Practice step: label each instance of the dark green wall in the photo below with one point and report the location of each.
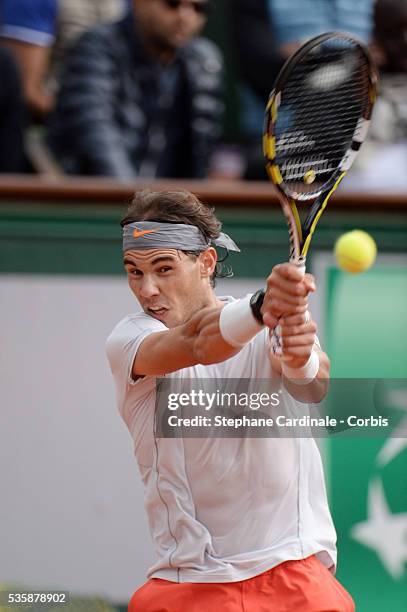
(55, 238)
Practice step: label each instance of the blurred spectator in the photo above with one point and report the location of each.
(296, 21)
(266, 33)
(391, 51)
(382, 163)
(12, 115)
(141, 97)
(38, 33)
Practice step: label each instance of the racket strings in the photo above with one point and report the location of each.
(322, 102)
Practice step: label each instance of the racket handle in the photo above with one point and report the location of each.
(276, 341)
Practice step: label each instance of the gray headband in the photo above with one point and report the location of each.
(154, 235)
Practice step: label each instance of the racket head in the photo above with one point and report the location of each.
(318, 115)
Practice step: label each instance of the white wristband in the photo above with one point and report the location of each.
(304, 375)
(237, 323)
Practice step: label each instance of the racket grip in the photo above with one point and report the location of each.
(276, 340)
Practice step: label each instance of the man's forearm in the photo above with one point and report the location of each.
(197, 341)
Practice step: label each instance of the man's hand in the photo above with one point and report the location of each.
(299, 341)
(286, 294)
(298, 338)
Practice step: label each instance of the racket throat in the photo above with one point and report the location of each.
(299, 261)
(317, 208)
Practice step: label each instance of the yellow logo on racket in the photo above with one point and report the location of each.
(309, 177)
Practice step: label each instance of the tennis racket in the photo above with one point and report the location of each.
(317, 118)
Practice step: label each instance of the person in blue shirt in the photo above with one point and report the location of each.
(37, 32)
(28, 29)
(293, 22)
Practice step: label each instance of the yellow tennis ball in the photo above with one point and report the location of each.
(355, 251)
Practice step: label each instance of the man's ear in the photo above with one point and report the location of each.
(208, 261)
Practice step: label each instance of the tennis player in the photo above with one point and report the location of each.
(238, 524)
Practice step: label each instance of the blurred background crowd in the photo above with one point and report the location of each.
(176, 88)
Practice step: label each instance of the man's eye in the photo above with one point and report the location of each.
(165, 269)
(135, 272)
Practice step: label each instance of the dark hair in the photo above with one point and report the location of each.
(177, 206)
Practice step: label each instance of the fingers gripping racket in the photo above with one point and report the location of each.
(317, 118)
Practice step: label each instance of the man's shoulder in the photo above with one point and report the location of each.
(108, 35)
(128, 334)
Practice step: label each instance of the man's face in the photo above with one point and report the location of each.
(170, 24)
(170, 285)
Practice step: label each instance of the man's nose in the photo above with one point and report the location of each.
(148, 287)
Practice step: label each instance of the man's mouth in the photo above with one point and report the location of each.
(157, 311)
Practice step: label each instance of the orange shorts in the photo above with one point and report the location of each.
(294, 586)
